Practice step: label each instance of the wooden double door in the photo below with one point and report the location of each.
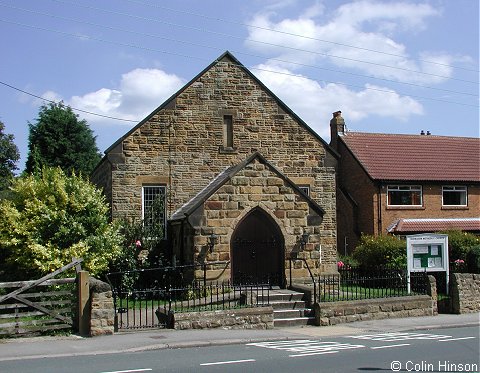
(257, 249)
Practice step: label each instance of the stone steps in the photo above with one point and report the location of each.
(288, 308)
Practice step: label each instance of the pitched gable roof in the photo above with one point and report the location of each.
(415, 157)
(228, 56)
(225, 176)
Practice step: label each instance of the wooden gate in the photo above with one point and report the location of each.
(38, 306)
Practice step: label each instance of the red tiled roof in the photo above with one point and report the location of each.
(434, 225)
(416, 157)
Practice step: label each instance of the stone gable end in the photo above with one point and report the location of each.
(258, 187)
(181, 147)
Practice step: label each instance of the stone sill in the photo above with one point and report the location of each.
(405, 208)
(455, 208)
(227, 150)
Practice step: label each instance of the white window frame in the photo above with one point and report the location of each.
(455, 188)
(404, 188)
(160, 187)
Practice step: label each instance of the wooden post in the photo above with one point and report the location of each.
(83, 310)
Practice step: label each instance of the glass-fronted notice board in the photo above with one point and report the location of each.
(427, 253)
(427, 256)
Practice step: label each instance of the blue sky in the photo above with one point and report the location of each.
(389, 66)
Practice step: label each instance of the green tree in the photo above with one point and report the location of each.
(59, 139)
(51, 217)
(9, 156)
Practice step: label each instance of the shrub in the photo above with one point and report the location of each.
(460, 243)
(381, 251)
(50, 218)
(473, 260)
(345, 262)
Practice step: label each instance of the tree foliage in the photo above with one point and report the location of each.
(9, 156)
(51, 217)
(59, 139)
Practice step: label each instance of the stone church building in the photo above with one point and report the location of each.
(246, 184)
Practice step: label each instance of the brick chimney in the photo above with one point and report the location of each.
(337, 128)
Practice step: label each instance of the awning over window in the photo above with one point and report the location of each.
(434, 225)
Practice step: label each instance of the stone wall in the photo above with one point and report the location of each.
(245, 318)
(432, 291)
(102, 311)
(372, 309)
(465, 292)
(258, 187)
(181, 146)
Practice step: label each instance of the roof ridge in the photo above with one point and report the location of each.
(408, 134)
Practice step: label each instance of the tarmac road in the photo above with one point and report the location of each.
(26, 354)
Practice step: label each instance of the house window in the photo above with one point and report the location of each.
(305, 189)
(404, 195)
(228, 131)
(153, 207)
(454, 196)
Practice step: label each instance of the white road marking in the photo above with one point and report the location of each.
(314, 353)
(306, 347)
(130, 370)
(394, 337)
(229, 362)
(390, 346)
(456, 339)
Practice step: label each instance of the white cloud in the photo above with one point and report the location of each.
(400, 15)
(370, 25)
(47, 96)
(140, 91)
(314, 102)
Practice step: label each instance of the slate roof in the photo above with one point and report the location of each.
(225, 176)
(434, 225)
(393, 157)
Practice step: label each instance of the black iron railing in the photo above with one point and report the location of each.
(312, 277)
(368, 283)
(219, 295)
(147, 298)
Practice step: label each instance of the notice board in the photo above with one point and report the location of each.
(427, 253)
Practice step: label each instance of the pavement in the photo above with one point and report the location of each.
(42, 347)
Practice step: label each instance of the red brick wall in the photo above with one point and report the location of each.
(432, 204)
(353, 179)
(369, 219)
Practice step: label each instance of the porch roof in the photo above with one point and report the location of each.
(434, 225)
(226, 175)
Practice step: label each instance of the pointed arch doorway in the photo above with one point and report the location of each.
(257, 248)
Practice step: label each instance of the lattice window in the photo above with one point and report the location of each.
(153, 206)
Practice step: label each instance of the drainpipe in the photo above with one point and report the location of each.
(379, 210)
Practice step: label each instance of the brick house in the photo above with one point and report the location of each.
(404, 184)
(243, 179)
